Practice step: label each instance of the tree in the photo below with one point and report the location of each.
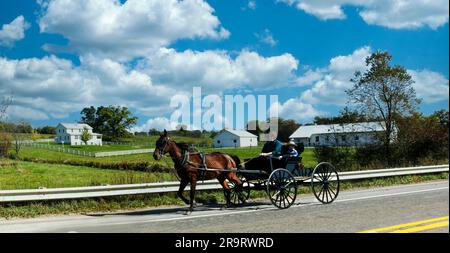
(18, 135)
(110, 121)
(346, 115)
(85, 135)
(383, 92)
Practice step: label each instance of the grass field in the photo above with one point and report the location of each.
(28, 152)
(103, 148)
(28, 175)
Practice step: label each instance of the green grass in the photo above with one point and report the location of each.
(103, 148)
(134, 202)
(28, 175)
(248, 152)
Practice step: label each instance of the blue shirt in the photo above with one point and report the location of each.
(292, 152)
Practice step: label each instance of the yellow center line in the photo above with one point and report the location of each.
(410, 224)
(421, 228)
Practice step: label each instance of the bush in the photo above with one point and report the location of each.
(5, 144)
(341, 157)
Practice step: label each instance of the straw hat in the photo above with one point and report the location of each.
(292, 143)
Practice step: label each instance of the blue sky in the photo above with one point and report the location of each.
(302, 51)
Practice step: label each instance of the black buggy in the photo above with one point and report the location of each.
(280, 176)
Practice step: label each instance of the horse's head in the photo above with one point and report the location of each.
(162, 146)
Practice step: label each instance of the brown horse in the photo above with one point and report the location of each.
(189, 167)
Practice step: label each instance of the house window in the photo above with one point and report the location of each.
(317, 139)
(327, 138)
(344, 138)
(218, 141)
(356, 138)
(234, 141)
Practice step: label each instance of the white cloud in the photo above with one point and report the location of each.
(217, 71)
(430, 86)
(13, 32)
(295, 108)
(395, 14)
(108, 28)
(335, 79)
(57, 88)
(267, 37)
(20, 112)
(159, 123)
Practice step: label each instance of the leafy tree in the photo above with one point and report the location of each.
(46, 130)
(85, 135)
(346, 115)
(383, 92)
(110, 121)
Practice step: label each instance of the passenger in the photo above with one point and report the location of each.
(292, 152)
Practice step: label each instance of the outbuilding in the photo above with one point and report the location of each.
(235, 138)
(352, 134)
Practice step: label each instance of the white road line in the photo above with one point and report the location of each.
(267, 209)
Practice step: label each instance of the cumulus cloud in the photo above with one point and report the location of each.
(430, 86)
(159, 123)
(332, 81)
(217, 71)
(295, 108)
(109, 28)
(15, 31)
(405, 14)
(57, 88)
(335, 78)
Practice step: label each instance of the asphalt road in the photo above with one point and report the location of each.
(353, 211)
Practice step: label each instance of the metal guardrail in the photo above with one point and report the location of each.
(166, 187)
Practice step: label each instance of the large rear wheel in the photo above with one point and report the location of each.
(325, 183)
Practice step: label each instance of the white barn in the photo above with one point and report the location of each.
(352, 134)
(70, 134)
(235, 138)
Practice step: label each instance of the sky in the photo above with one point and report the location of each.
(59, 56)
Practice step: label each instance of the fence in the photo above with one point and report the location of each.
(60, 149)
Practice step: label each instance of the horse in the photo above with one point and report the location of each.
(187, 165)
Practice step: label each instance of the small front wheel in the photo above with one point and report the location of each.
(282, 188)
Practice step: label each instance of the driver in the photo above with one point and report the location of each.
(273, 147)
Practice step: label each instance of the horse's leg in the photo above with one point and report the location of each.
(192, 194)
(183, 184)
(226, 189)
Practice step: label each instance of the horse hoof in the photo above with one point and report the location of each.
(188, 212)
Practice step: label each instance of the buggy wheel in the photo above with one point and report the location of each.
(239, 194)
(282, 188)
(325, 182)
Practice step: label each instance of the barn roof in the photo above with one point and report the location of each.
(240, 133)
(308, 131)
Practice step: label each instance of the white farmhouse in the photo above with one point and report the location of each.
(70, 134)
(352, 134)
(235, 138)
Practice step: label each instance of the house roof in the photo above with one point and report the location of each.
(240, 133)
(308, 131)
(75, 126)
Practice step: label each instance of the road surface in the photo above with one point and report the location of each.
(406, 208)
